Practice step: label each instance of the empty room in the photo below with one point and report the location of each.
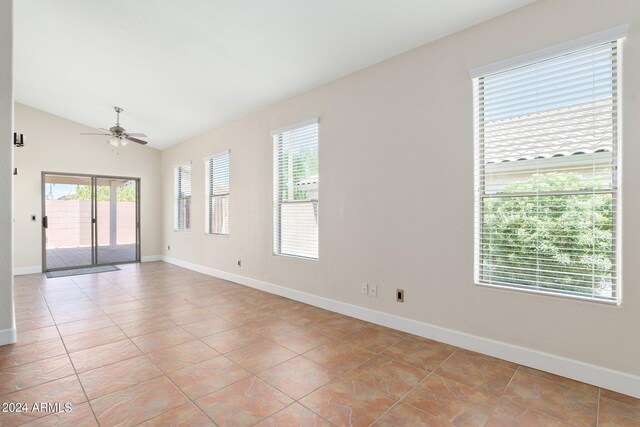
(320, 213)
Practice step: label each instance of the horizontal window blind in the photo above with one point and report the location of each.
(546, 153)
(217, 194)
(182, 187)
(296, 183)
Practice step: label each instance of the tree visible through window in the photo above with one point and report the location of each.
(126, 193)
(296, 182)
(546, 175)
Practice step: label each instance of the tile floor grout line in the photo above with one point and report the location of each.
(285, 393)
(396, 361)
(396, 403)
(78, 320)
(554, 381)
(43, 383)
(433, 372)
(236, 325)
(222, 388)
(379, 354)
(335, 376)
(598, 407)
(293, 403)
(254, 375)
(170, 380)
(97, 345)
(510, 381)
(108, 364)
(73, 366)
(400, 400)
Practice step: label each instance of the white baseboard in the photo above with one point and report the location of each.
(20, 271)
(7, 336)
(151, 258)
(599, 376)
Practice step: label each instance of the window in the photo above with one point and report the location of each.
(295, 154)
(182, 185)
(546, 176)
(217, 194)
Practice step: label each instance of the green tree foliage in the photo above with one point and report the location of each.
(304, 164)
(565, 239)
(126, 193)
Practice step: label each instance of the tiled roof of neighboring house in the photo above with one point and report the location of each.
(565, 131)
(310, 181)
(577, 153)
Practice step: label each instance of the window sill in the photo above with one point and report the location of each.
(301, 258)
(549, 294)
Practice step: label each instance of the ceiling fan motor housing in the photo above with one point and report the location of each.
(117, 130)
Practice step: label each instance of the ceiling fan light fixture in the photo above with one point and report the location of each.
(118, 136)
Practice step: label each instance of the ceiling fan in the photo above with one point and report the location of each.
(118, 134)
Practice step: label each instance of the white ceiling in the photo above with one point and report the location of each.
(182, 67)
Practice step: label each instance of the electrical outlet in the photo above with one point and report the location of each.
(364, 289)
(239, 263)
(400, 295)
(373, 290)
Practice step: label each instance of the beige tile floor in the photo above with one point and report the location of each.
(158, 345)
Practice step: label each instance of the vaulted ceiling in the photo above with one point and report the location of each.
(180, 68)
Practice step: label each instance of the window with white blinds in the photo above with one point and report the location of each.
(182, 185)
(217, 194)
(295, 154)
(546, 153)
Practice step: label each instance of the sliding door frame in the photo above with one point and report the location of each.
(94, 219)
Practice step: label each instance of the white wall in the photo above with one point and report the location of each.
(396, 193)
(54, 144)
(7, 326)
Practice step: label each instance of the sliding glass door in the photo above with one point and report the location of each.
(89, 220)
(117, 219)
(67, 222)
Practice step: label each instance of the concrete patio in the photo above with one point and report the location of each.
(81, 255)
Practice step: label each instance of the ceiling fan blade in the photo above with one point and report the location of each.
(141, 135)
(86, 133)
(106, 130)
(139, 141)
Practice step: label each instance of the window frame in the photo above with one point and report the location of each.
(208, 196)
(617, 35)
(176, 198)
(277, 203)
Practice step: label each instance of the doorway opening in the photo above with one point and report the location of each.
(89, 220)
